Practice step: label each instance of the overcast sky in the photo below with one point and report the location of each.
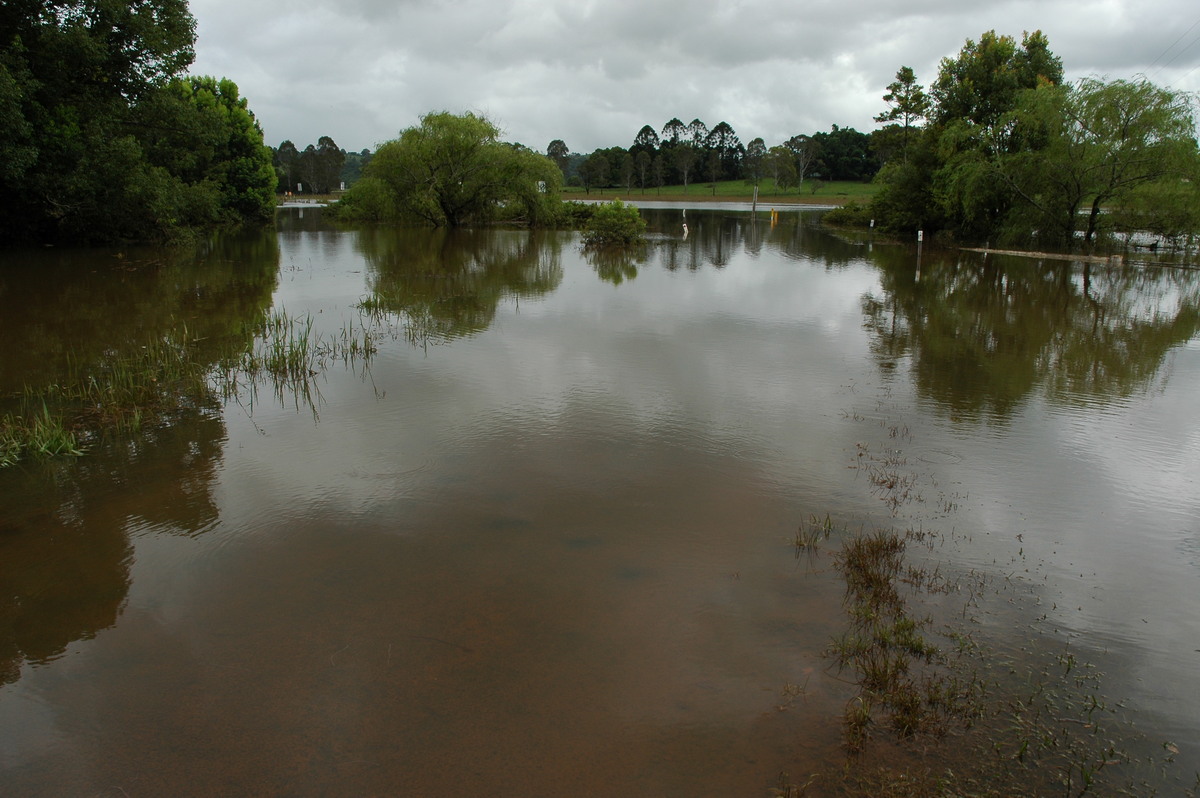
(593, 72)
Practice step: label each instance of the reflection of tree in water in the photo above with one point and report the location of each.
(84, 306)
(65, 524)
(715, 237)
(447, 284)
(615, 264)
(310, 220)
(983, 333)
(64, 530)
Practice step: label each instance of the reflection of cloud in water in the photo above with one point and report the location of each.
(572, 524)
(719, 351)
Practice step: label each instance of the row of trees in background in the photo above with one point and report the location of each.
(692, 153)
(1001, 149)
(320, 169)
(105, 139)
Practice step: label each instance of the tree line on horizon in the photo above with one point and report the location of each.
(999, 148)
(322, 168)
(687, 154)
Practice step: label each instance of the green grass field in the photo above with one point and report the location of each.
(813, 192)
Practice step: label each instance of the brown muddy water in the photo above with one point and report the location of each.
(541, 542)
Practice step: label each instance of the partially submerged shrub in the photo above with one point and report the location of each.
(849, 215)
(575, 215)
(614, 223)
(368, 200)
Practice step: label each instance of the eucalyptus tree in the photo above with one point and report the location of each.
(725, 142)
(712, 164)
(643, 163)
(646, 140)
(780, 163)
(658, 169)
(673, 132)
(754, 163)
(627, 171)
(321, 166)
(595, 171)
(287, 164)
(558, 152)
(686, 156)
(804, 150)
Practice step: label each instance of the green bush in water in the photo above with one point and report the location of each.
(614, 223)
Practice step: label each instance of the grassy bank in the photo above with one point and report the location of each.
(812, 193)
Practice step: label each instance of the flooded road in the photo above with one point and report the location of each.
(541, 541)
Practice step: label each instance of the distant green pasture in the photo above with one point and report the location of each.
(833, 193)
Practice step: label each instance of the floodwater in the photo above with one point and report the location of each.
(541, 543)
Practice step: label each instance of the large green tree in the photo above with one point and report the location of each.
(1098, 145)
(1011, 153)
(982, 82)
(203, 134)
(558, 152)
(99, 133)
(844, 154)
(453, 170)
(945, 177)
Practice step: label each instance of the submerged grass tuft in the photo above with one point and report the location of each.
(983, 724)
(884, 642)
(809, 535)
(150, 381)
(40, 434)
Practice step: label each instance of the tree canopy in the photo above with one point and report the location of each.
(453, 170)
(1009, 152)
(105, 140)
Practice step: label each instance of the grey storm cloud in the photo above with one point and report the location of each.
(593, 72)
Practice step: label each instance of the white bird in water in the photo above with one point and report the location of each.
(685, 230)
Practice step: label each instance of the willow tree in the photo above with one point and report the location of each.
(452, 170)
(1097, 146)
